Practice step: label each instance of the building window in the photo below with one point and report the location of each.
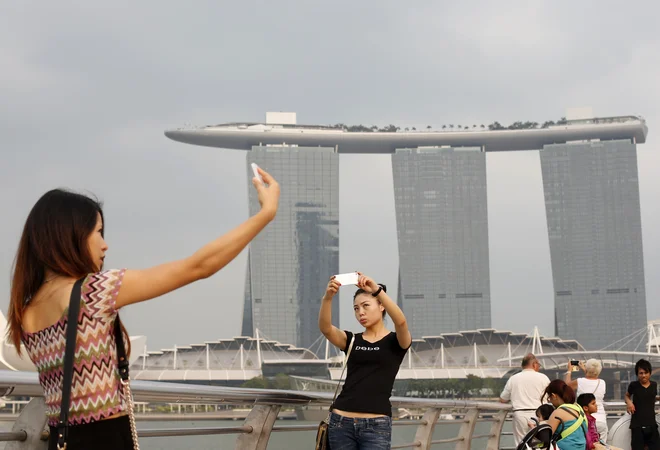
(618, 291)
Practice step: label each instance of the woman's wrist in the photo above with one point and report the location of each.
(267, 213)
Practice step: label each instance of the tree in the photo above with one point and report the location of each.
(444, 127)
(428, 127)
(473, 384)
(390, 129)
(494, 385)
(256, 383)
(281, 382)
(354, 128)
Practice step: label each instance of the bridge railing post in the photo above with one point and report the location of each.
(32, 421)
(467, 429)
(424, 433)
(496, 430)
(261, 419)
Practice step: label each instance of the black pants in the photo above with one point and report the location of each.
(642, 436)
(109, 434)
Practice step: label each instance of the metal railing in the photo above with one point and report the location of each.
(29, 430)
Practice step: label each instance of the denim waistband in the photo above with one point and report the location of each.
(360, 420)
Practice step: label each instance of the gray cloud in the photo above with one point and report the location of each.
(87, 91)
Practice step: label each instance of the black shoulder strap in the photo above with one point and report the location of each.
(584, 423)
(570, 411)
(122, 360)
(348, 355)
(69, 354)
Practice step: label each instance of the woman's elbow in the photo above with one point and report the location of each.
(401, 323)
(200, 270)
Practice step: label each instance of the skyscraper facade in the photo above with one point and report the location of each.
(595, 233)
(291, 261)
(442, 226)
(589, 170)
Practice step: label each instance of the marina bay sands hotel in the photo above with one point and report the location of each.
(590, 181)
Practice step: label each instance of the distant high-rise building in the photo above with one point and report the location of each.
(589, 167)
(595, 232)
(442, 226)
(291, 261)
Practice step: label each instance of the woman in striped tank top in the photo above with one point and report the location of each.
(63, 241)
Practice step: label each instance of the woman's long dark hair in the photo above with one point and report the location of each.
(54, 237)
(560, 389)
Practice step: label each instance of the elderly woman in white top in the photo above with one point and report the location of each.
(591, 384)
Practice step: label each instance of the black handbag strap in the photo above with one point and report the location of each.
(69, 354)
(348, 354)
(122, 359)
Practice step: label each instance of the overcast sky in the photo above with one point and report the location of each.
(86, 91)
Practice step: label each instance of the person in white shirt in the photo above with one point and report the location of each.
(524, 391)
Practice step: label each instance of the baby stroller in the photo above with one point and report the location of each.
(540, 437)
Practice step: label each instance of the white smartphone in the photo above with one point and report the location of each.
(256, 172)
(347, 278)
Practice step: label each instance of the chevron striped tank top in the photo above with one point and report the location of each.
(96, 392)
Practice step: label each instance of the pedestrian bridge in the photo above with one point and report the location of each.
(476, 425)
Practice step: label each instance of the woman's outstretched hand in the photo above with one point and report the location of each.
(366, 284)
(268, 193)
(333, 288)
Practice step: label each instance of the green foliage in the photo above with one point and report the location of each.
(495, 126)
(281, 382)
(472, 386)
(256, 383)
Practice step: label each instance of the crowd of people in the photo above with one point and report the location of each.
(573, 409)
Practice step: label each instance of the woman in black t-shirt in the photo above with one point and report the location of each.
(361, 416)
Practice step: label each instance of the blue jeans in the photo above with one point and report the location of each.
(346, 433)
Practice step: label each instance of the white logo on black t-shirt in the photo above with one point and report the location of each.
(357, 347)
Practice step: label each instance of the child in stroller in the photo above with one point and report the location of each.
(540, 435)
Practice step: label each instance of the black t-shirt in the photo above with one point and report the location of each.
(644, 400)
(370, 375)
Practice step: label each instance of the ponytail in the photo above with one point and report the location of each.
(560, 389)
(568, 394)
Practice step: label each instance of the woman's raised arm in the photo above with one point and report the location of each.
(141, 285)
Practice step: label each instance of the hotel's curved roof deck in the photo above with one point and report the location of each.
(245, 135)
